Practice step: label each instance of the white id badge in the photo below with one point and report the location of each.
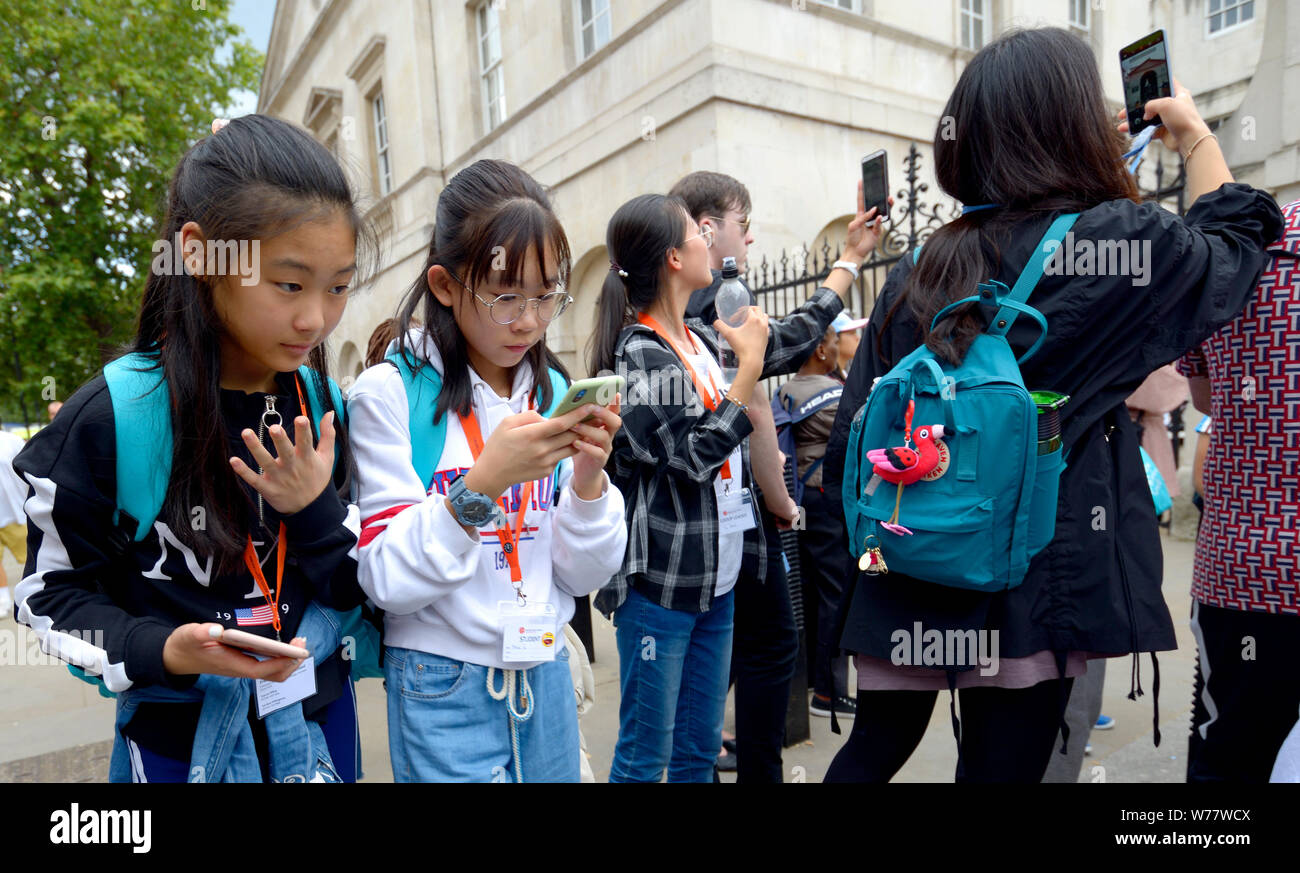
(529, 632)
(736, 511)
(300, 685)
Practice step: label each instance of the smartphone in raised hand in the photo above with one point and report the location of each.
(1144, 65)
(875, 182)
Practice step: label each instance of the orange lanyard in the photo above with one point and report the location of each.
(509, 538)
(706, 397)
(281, 544)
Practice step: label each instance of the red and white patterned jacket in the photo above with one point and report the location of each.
(1248, 551)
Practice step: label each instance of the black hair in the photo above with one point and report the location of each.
(640, 233)
(1032, 134)
(256, 178)
(489, 208)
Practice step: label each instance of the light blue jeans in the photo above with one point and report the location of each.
(444, 726)
(672, 668)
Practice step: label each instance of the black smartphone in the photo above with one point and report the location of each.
(1145, 67)
(875, 182)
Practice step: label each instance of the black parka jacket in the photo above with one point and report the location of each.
(1096, 586)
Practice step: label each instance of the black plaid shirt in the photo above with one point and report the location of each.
(671, 447)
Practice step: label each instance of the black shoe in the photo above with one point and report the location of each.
(845, 707)
(727, 762)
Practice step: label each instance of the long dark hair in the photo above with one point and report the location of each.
(638, 236)
(254, 179)
(1032, 133)
(488, 209)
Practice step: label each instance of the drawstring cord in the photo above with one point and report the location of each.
(510, 681)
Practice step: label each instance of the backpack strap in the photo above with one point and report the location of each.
(143, 431)
(142, 425)
(423, 384)
(1029, 277)
(316, 407)
(1013, 302)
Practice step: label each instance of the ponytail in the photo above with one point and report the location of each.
(640, 233)
(612, 315)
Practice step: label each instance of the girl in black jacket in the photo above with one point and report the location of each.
(1034, 141)
(255, 525)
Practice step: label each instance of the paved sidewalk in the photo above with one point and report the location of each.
(55, 728)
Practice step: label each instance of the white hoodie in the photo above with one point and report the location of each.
(438, 585)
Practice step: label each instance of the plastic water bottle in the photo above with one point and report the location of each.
(731, 303)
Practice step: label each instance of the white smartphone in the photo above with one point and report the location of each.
(257, 645)
(599, 390)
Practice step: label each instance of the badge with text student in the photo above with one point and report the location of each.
(736, 510)
(530, 631)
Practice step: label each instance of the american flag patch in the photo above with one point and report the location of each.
(255, 616)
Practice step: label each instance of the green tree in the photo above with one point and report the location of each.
(98, 100)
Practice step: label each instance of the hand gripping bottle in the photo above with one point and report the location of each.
(731, 303)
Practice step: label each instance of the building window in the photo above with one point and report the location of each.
(850, 5)
(383, 166)
(489, 57)
(1224, 14)
(1079, 14)
(974, 23)
(593, 26)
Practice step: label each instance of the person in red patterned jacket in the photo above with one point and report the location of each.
(1246, 591)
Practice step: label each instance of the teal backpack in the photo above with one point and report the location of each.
(142, 420)
(978, 524)
(423, 384)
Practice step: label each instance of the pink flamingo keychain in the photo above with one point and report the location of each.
(904, 465)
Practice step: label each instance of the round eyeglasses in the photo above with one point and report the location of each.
(507, 308)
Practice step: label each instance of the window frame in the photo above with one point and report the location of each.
(579, 27)
(491, 75)
(984, 17)
(1224, 6)
(383, 143)
(1086, 6)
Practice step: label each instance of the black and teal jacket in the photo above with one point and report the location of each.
(103, 601)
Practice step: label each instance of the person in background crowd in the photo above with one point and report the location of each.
(849, 330)
(377, 347)
(1245, 589)
(1159, 394)
(13, 521)
(812, 397)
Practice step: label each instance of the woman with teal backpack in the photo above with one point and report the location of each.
(1130, 288)
(171, 499)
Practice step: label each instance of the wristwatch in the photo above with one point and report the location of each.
(472, 508)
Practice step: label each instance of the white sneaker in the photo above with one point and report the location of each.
(6, 603)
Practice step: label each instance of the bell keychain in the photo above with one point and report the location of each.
(872, 561)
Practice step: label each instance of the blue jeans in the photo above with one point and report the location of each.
(673, 668)
(444, 726)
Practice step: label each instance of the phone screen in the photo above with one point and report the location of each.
(875, 182)
(1145, 68)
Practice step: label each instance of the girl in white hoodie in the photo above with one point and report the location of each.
(482, 520)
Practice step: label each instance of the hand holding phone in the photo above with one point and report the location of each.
(193, 648)
(600, 390)
(256, 645)
(1144, 66)
(875, 183)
